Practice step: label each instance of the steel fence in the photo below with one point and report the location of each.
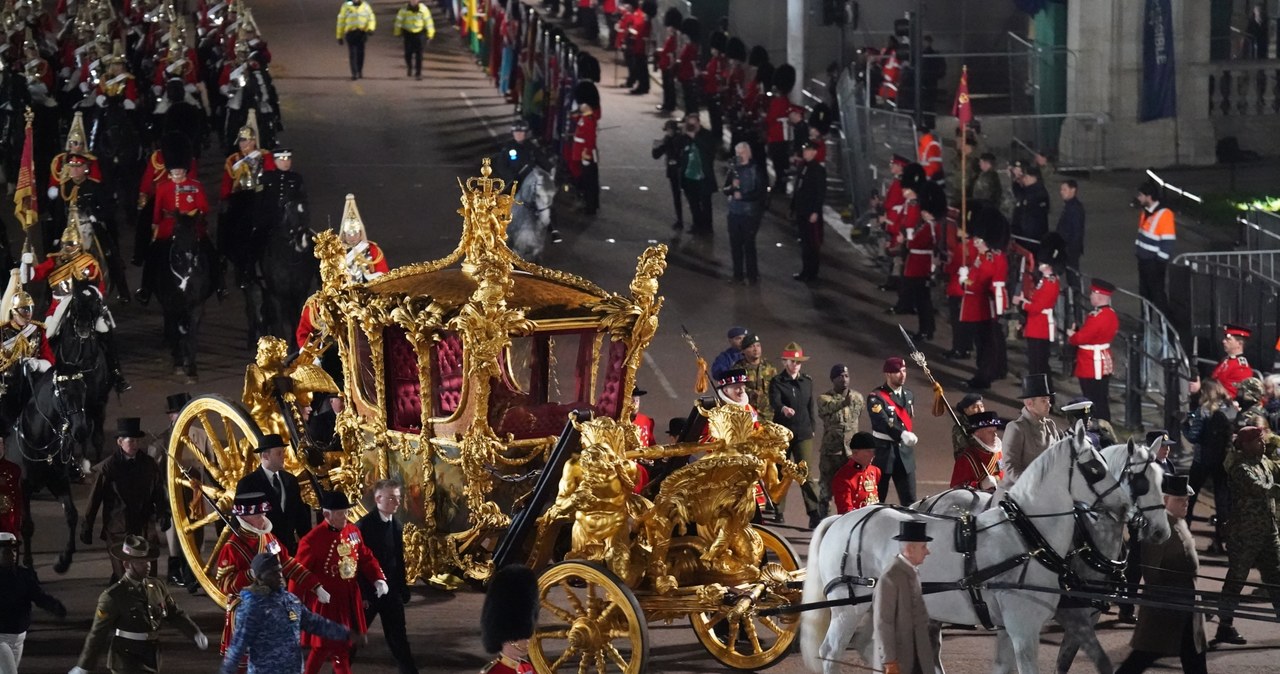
(1212, 289)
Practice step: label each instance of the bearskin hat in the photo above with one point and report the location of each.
(673, 18)
(990, 225)
(820, 118)
(736, 49)
(758, 57)
(718, 41)
(175, 150)
(692, 29)
(649, 7)
(586, 92)
(1053, 250)
(588, 68)
(784, 78)
(510, 610)
(932, 199)
(764, 74)
(912, 176)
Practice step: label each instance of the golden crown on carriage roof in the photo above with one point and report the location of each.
(486, 195)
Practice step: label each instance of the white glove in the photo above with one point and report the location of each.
(909, 439)
(52, 192)
(27, 272)
(78, 670)
(101, 101)
(963, 274)
(380, 588)
(28, 258)
(202, 642)
(322, 594)
(988, 482)
(129, 105)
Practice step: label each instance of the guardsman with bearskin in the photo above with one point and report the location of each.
(633, 36)
(891, 407)
(779, 132)
(174, 147)
(665, 58)
(857, 483)
(584, 158)
(251, 537)
(1234, 368)
(1041, 330)
(919, 246)
(1093, 343)
(335, 554)
(509, 618)
(985, 299)
(902, 217)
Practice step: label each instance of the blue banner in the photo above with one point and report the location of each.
(1159, 75)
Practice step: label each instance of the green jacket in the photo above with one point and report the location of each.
(132, 609)
(758, 389)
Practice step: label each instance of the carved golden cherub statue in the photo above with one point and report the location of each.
(263, 378)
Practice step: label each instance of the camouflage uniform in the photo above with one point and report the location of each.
(758, 387)
(1252, 538)
(839, 413)
(127, 623)
(268, 626)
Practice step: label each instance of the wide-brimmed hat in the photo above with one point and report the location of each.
(792, 351)
(1177, 485)
(269, 441)
(134, 548)
(1036, 386)
(129, 427)
(174, 403)
(913, 532)
(335, 500)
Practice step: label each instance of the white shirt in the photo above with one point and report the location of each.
(385, 517)
(271, 480)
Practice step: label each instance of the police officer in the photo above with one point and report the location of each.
(840, 408)
(806, 203)
(891, 407)
(1252, 538)
(126, 624)
(356, 22)
(414, 23)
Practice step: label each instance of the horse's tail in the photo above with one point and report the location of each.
(814, 622)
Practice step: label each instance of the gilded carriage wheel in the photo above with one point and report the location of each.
(746, 641)
(210, 449)
(590, 622)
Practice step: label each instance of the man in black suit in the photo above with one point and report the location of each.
(806, 205)
(384, 535)
(289, 515)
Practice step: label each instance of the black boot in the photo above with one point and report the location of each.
(119, 383)
(1228, 634)
(175, 576)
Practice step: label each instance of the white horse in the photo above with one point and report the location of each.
(531, 214)
(1070, 471)
(1098, 563)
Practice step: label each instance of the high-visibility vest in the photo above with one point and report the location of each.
(930, 154)
(414, 21)
(351, 17)
(1157, 231)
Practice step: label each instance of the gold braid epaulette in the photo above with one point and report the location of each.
(76, 266)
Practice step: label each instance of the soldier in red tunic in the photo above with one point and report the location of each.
(252, 537)
(1093, 341)
(985, 300)
(978, 466)
(1234, 368)
(857, 483)
(508, 618)
(1040, 330)
(335, 553)
(914, 295)
(584, 160)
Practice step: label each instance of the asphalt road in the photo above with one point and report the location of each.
(400, 146)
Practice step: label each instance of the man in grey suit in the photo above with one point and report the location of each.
(906, 643)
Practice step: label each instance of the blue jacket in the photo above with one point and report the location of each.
(751, 187)
(268, 626)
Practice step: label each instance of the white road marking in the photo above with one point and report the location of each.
(644, 188)
(662, 378)
(475, 111)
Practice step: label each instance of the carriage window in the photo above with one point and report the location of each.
(548, 375)
(446, 374)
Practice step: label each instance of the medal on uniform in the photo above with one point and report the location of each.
(273, 547)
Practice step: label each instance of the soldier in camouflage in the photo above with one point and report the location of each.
(839, 410)
(760, 370)
(1252, 539)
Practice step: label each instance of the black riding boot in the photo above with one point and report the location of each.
(176, 577)
(113, 362)
(143, 293)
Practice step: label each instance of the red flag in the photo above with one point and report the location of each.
(25, 207)
(962, 110)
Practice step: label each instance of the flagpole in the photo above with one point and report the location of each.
(964, 174)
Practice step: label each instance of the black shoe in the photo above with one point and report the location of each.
(1215, 548)
(417, 76)
(555, 237)
(1127, 615)
(143, 296)
(778, 518)
(353, 77)
(122, 296)
(814, 519)
(1228, 634)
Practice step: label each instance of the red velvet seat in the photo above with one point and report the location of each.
(446, 374)
(403, 387)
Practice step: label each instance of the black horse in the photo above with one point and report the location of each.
(286, 257)
(79, 342)
(115, 138)
(46, 434)
(185, 266)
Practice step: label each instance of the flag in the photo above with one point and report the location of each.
(24, 198)
(962, 109)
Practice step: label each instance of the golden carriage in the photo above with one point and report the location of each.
(498, 392)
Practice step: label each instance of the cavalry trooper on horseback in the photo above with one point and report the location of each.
(155, 176)
(117, 84)
(23, 350)
(62, 269)
(241, 183)
(89, 198)
(180, 195)
(76, 144)
(517, 158)
(364, 262)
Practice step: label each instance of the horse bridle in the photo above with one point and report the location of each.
(60, 432)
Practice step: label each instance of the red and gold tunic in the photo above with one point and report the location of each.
(505, 665)
(973, 465)
(855, 486)
(334, 558)
(10, 498)
(234, 560)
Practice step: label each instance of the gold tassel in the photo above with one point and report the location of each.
(704, 377)
(939, 401)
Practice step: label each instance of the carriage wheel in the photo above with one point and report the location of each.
(590, 622)
(750, 642)
(213, 439)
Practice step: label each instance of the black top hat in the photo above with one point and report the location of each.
(862, 440)
(250, 503)
(174, 403)
(1177, 485)
(335, 500)
(913, 532)
(675, 426)
(129, 427)
(1036, 385)
(269, 441)
(510, 609)
(985, 420)
(134, 548)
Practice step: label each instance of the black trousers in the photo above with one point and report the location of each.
(587, 22)
(810, 244)
(780, 157)
(961, 333)
(1098, 391)
(413, 43)
(589, 184)
(742, 245)
(1192, 662)
(689, 92)
(984, 346)
(903, 481)
(1151, 276)
(393, 629)
(676, 200)
(920, 300)
(355, 52)
(637, 72)
(668, 90)
(699, 195)
(1038, 356)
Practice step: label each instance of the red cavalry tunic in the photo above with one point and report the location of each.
(188, 198)
(228, 172)
(334, 558)
(11, 497)
(60, 161)
(1230, 372)
(1093, 358)
(855, 486)
(1039, 307)
(973, 465)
